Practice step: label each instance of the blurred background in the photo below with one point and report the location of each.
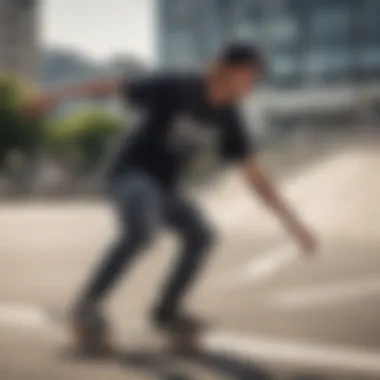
(323, 57)
(316, 116)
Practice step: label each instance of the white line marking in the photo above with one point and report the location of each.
(262, 268)
(246, 348)
(319, 211)
(326, 294)
(22, 316)
(271, 263)
(304, 355)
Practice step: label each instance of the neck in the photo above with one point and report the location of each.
(216, 90)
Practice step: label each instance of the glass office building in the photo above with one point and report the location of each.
(310, 45)
(307, 42)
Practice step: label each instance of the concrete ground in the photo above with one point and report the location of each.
(275, 314)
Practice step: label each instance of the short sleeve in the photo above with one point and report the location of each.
(238, 144)
(149, 91)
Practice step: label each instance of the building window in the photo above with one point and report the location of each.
(367, 47)
(329, 49)
(282, 30)
(370, 57)
(178, 14)
(249, 20)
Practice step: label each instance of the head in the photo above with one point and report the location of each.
(237, 69)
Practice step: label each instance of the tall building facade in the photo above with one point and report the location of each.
(18, 37)
(321, 54)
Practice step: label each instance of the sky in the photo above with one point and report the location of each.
(100, 28)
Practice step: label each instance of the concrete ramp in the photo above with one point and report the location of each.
(337, 191)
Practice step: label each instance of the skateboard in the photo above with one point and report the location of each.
(142, 337)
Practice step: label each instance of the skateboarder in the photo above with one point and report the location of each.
(184, 115)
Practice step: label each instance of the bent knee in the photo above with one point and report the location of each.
(201, 238)
(141, 239)
(137, 238)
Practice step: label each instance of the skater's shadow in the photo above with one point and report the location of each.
(177, 366)
(180, 366)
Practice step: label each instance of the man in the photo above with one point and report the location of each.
(183, 116)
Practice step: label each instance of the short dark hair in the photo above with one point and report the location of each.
(240, 54)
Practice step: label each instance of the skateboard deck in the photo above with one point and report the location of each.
(142, 337)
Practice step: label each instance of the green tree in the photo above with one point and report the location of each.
(10, 96)
(17, 132)
(81, 139)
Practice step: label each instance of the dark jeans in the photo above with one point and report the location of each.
(143, 207)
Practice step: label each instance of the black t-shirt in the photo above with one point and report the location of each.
(178, 123)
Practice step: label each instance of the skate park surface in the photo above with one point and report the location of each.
(274, 313)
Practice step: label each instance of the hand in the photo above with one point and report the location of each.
(306, 240)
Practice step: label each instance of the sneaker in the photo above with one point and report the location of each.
(178, 323)
(90, 328)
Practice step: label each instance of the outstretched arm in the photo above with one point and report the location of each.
(97, 88)
(263, 186)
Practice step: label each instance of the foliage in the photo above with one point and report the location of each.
(83, 137)
(17, 133)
